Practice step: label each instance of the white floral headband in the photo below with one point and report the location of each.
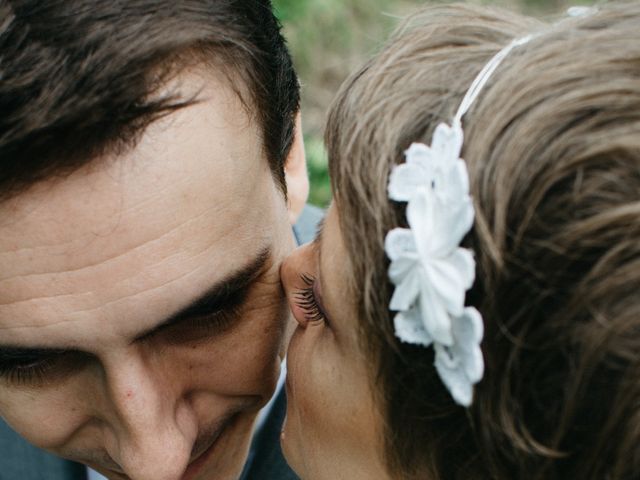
(430, 270)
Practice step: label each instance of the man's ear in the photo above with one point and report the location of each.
(295, 170)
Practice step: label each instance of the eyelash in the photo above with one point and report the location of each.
(39, 372)
(216, 322)
(203, 327)
(306, 300)
(33, 374)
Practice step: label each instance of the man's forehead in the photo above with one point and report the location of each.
(49, 330)
(162, 216)
(207, 149)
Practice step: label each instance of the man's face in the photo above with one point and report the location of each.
(141, 316)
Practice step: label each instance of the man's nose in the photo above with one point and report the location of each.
(152, 428)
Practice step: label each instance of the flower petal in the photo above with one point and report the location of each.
(447, 142)
(451, 221)
(399, 242)
(458, 180)
(409, 328)
(469, 327)
(473, 364)
(405, 179)
(454, 379)
(418, 153)
(420, 216)
(449, 283)
(402, 267)
(464, 263)
(435, 318)
(468, 331)
(406, 292)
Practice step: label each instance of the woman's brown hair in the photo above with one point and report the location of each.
(553, 151)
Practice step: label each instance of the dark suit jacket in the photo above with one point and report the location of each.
(21, 461)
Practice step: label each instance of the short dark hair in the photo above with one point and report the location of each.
(552, 145)
(77, 77)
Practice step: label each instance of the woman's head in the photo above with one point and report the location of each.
(333, 424)
(552, 146)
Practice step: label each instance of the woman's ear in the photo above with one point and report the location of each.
(295, 170)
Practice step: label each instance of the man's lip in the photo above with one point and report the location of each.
(202, 458)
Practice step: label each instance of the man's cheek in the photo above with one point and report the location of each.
(243, 362)
(45, 419)
(278, 332)
(269, 311)
(257, 358)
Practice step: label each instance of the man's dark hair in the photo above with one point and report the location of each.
(78, 77)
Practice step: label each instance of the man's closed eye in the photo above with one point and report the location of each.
(39, 368)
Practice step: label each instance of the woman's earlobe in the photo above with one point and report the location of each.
(296, 177)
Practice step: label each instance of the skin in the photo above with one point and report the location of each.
(333, 425)
(91, 264)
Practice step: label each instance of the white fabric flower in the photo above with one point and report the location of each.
(427, 265)
(430, 270)
(410, 328)
(461, 365)
(431, 166)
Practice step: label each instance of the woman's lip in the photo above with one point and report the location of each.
(196, 465)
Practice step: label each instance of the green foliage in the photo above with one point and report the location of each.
(320, 192)
(331, 38)
(328, 40)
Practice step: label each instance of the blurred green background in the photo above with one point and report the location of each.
(331, 38)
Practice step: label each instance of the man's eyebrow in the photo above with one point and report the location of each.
(225, 294)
